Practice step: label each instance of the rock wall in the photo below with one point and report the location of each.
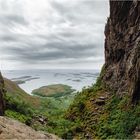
(1, 95)
(122, 49)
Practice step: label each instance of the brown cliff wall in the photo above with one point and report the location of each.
(1, 95)
(122, 48)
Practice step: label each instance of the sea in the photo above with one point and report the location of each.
(34, 79)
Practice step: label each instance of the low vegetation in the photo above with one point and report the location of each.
(101, 114)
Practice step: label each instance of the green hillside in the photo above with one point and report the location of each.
(14, 91)
(41, 113)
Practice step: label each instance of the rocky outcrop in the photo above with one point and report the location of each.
(12, 129)
(1, 95)
(122, 49)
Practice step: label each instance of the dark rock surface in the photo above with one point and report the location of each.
(1, 95)
(122, 49)
(100, 102)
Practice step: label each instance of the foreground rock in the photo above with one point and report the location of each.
(12, 129)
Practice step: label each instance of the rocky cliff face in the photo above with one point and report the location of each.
(122, 48)
(1, 95)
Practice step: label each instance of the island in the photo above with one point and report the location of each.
(56, 90)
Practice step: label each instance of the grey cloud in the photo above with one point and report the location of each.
(9, 19)
(7, 38)
(73, 34)
(75, 13)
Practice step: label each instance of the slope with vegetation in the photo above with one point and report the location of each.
(41, 113)
(18, 105)
(102, 114)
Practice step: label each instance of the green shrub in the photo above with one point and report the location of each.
(117, 120)
(18, 109)
(18, 116)
(121, 121)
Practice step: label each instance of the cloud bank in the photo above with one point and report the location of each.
(37, 34)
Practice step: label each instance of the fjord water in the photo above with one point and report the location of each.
(77, 79)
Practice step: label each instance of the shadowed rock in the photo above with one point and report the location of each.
(1, 95)
(100, 102)
(122, 49)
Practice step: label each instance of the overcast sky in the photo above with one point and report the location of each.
(37, 34)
